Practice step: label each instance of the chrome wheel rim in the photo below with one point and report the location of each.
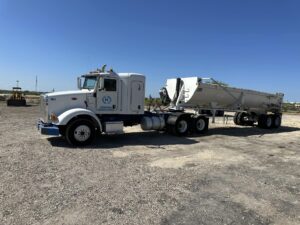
(200, 125)
(182, 126)
(82, 133)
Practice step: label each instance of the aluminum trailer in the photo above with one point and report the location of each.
(208, 94)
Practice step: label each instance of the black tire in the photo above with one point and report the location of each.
(265, 121)
(235, 118)
(269, 122)
(182, 126)
(80, 132)
(200, 124)
(241, 121)
(13, 102)
(62, 130)
(276, 121)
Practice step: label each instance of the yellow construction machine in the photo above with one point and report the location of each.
(17, 98)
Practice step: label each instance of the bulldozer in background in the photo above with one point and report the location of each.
(17, 98)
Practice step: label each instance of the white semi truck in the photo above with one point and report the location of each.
(108, 101)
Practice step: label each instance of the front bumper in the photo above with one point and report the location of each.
(47, 128)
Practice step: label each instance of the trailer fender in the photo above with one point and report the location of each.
(67, 116)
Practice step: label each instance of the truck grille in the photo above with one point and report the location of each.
(43, 109)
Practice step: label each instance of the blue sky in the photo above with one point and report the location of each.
(247, 43)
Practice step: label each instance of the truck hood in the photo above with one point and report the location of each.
(59, 102)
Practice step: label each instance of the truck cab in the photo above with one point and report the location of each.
(114, 93)
(104, 102)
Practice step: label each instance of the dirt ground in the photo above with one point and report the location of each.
(232, 175)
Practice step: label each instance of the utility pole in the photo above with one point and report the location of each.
(36, 83)
(17, 83)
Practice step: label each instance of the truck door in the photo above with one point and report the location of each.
(107, 95)
(137, 96)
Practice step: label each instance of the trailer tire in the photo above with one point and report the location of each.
(276, 121)
(240, 119)
(242, 122)
(265, 121)
(235, 118)
(200, 125)
(80, 132)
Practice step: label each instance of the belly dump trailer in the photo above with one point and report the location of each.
(206, 94)
(108, 101)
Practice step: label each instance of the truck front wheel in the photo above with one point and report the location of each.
(80, 132)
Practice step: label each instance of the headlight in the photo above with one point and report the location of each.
(53, 117)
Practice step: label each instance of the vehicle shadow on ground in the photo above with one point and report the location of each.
(159, 139)
(154, 139)
(249, 131)
(20, 106)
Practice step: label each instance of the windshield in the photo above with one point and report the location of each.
(89, 82)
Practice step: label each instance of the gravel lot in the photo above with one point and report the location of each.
(232, 175)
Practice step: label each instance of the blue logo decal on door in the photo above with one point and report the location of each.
(106, 99)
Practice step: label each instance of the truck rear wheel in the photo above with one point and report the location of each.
(181, 127)
(200, 125)
(80, 132)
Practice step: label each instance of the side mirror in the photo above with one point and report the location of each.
(79, 83)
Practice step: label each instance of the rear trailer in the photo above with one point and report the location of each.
(208, 96)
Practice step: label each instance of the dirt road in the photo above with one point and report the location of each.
(232, 175)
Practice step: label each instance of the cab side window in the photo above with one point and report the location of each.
(110, 85)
